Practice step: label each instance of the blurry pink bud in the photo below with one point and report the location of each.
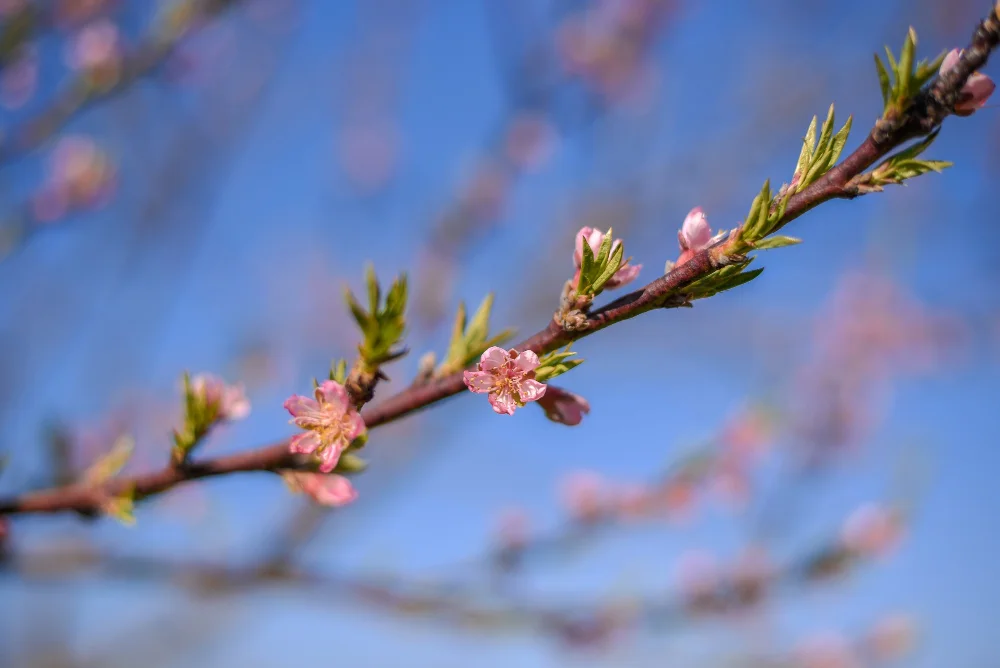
(975, 92)
(512, 528)
(326, 490)
(698, 578)
(626, 272)
(634, 501)
(563, 407)
(583, 495)
(891, 637)
(508, 377)
(96, 46)
(827, 650)
(678, 499)
(751, 573)
(871, 530)
(230, 401)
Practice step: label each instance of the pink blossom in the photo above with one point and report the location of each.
(871, 530)
(327, 490)
(584, 495)
(976, 90)
(626, 273)
(512, 528)
(230, 401)
(891, 637)
(695, 235)
(508, 377)
(634, 500)
(563, 406)
(331, 423)
(96, 46)
(826, 650)
(698, 577)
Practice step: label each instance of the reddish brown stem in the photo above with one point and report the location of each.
(927, 112)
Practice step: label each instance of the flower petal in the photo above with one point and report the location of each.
(531, 390)
(332, 392)
(493, 358)
(625, 275)
(950, 60)
(526, 362)
(355, 426)
(503, 402)
(304, 443)
(695, 232)
(330, 490)
(328, 458)
(478, 381)
(300, 406)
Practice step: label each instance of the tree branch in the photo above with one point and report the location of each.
(927, 112)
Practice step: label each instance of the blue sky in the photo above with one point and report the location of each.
(261, 230)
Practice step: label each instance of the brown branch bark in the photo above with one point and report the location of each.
(927, 112)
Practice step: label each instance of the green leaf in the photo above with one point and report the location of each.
(916, 149)
(457, 346)
(883, 81)
(776, 242)
(837, 145)
(610, 267)
(822, 154)
(361, 316)
(905, 69)
(892, 63)
(605, 250)
(805, 155)
(555, 364)
(586, 269)
(111, 463)
(479, 328)
(374, 293)
(740, 279)
(121, 508)
(338, 371)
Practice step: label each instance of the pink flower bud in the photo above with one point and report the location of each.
(326, 490)
(695, 235)
(331, 422)
(826, 650)
(634, 501)
(583, 494)
(508, 377)
(698, 578)
(871, 530)
(563, 407)
(626, 272)
(230, 400)
(512, 528)
(891, 637)
(976, 90)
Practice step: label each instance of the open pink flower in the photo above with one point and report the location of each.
(594, 238)
(695, 235)
(331, 423)
(230, 401)
(326, 490)
(563, 407)
(508, 377)
(976, 90)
